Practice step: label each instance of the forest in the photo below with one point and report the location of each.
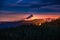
(47, 31)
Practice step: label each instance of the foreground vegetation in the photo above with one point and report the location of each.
(47, 31)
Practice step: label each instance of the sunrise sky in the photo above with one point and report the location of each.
(17, 17)
(12, 10)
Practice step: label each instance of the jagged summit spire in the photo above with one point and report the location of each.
(29, 16)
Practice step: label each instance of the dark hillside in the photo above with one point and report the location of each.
(47, 31)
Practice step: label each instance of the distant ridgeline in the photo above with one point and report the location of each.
(46, 31)
(37, 22)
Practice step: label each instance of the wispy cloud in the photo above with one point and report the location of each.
(20, 5)
(52, 7)
(6, 12)
(19, 1)
(32, 5)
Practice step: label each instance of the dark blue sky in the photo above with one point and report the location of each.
(30, 5)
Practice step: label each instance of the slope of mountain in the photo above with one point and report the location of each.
(47, 31)
(21, 22)
(10, 24)
(36, 22)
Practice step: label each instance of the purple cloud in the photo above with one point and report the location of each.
(19, 5)
(52, 7)
(19, 1)
(6, 12)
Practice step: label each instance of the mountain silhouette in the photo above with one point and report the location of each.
(20, 22)
(7, 24)
(23, 22)
(29, 16)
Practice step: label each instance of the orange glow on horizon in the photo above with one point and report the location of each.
(16, 17)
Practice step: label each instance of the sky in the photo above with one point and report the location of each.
(11, 10)
(30, 5)
(18, 17)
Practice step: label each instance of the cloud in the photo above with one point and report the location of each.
(12, 17)
(20, 5)
(33, 6)
(6, 12)
(45, 8)
(52, 7)
(34, 2)
(19, 1)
